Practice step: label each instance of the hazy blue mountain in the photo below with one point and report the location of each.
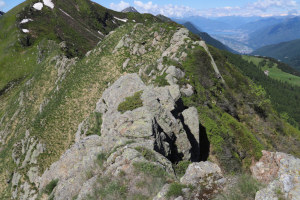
(287, 52)
(237, 21)
(207, 38)
(206, 24)
(287, 30)
(261, 23)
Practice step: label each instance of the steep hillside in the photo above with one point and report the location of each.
(287, 52)
(126, 119)
(283, 95)
(79, 25)
(207, 38)
(287, 30)
(278, 70)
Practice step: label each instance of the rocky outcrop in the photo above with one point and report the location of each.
(201, 180)
(280, 172)
(151, 133)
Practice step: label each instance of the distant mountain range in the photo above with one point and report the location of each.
(287, 52)
(287, 30)
(207, 38)
(245, 34)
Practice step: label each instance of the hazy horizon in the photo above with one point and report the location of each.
(213, 8)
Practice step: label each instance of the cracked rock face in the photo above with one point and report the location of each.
(280, 172)
(153, 126)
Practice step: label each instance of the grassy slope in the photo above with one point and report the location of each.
(79, 30)
(275, 72)
(15, 61)
(283, 96)
(287, 52)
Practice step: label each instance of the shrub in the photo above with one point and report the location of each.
(131, 103)
(245, 188)
(161, 81)
(96, 121)
(175, 190)
(150, 169)
(50, 187)
(146, 153)
(181, 167)
(101, 159)
(112, 189)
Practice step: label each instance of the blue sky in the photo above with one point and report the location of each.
(210, 8)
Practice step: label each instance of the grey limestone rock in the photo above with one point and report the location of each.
(202, 172)
(151, 126)
(72, 167)
(175, 72)
(126, 63)
(281, 172)
(191, 119)
(187, 90)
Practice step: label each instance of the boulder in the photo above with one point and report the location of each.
(191, 119)
(280, 172)
(187, 90)
(202, 173)
(175, 72)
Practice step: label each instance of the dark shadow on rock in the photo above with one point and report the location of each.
(204, 143)
(177, 113)
(161, 138)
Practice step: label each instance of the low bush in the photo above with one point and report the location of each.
(146, 153)
(245, 188)
(181, 167)
(150, 169)
(131, 103)
(175, 190)
(50, 187)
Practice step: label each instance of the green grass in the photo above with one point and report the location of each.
(108, 188)
(50, 187)
(161, 81)
(146, 153)
(101, 158)
(175, 190)
(245, 188)
(150, 169)
(131, 103)
(181, 167)
(95, 122)
(274, 71)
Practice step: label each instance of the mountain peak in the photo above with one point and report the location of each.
(129, 9)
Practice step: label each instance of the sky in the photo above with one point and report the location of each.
(208, 8)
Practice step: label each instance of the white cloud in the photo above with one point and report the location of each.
(267, 4)
(118, 7)
(258, 8)
(2, 3)
(168, 10)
